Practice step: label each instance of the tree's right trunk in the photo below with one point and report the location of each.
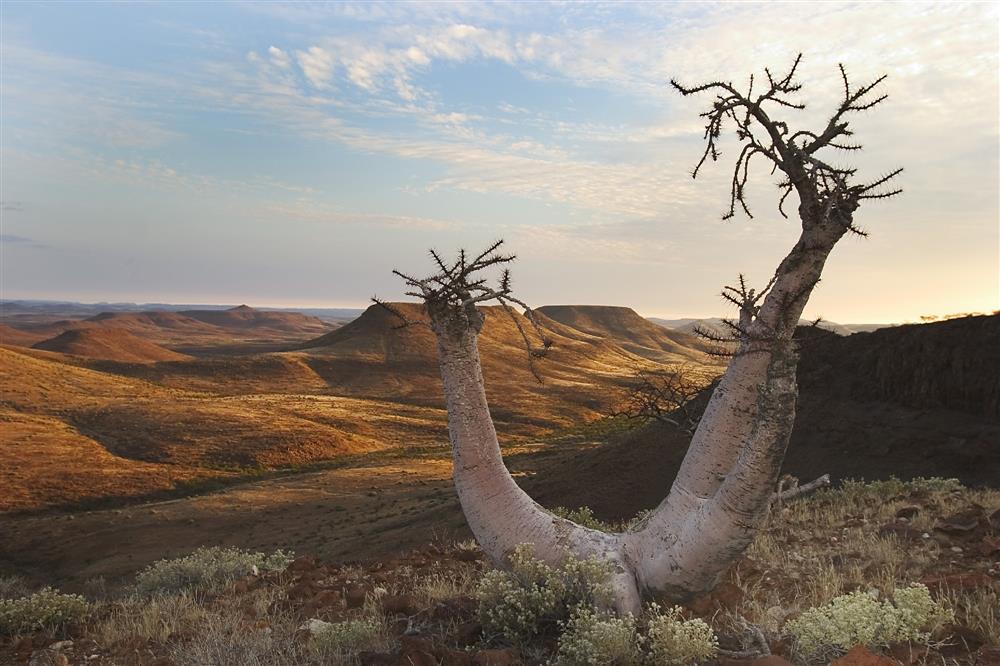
(669, 549)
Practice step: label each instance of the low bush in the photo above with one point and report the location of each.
(532, 597)
(860, 618)
(592, 639)
(674, 640)
(584, 516)
(207, 569)
(45, 610)
(341, 640)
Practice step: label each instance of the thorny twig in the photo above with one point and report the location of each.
(455, 290)
(819, 183)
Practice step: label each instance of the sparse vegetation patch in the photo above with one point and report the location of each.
(861, 618)
(45, 610)
(206, 569)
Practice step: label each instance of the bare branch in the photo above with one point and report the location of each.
(452, 294)
(816, 181)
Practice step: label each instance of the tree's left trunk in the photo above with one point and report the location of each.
(500, 514)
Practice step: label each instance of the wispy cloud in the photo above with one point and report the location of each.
(21, 241)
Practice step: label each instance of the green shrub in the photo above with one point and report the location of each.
(46, 609)
(590, 639)
(674, 640)
(584, 516)
(532, 596)
(860, 618)
(207, 569)
(340, 640)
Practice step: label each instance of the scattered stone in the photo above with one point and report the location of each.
(378, 659)
(314, 626)
(908, 512)
(355, 596)
(468, 633)
(909, 654)
(970, 580)
(456, 658)
(988, 655)
(956, 549)
(963, 522)
(467, 555)
(769, 660)
(417, 651)
(302, 563)
(401, 604)
(454, 607)
(961, 639)
(725, 596)
(903, 531)
(505, 657)
(862, 656)
(48, 658)
(990, 546)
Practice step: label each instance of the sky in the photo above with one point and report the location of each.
(293, 154)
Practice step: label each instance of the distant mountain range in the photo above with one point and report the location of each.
(23, 308)
(72, 309)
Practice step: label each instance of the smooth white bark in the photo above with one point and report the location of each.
(723, 489)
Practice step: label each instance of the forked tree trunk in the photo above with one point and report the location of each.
(724, 486)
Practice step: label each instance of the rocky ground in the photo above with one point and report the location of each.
(858, 537)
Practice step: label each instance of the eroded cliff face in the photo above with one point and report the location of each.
(907, 401)
(952, 364)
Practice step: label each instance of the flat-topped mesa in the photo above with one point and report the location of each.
(636, 333)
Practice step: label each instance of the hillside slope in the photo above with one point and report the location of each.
(109, 344)
(631, 331)
(19, 338)
(128, 437)
(373, 356)
(246, 319)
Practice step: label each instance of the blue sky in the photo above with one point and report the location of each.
(294, 153)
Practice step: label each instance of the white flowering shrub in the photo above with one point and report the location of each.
(339, 640)
(860, 618)
(46, 609)
(591, 639)
(207, 569)
(674, 640)
(531, 596)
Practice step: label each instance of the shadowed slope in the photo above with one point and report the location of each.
(66, 410)
(905, 401)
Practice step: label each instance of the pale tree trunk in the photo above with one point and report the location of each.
(679, 548)
(500, 514)
(724, 486)
(721, 493)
